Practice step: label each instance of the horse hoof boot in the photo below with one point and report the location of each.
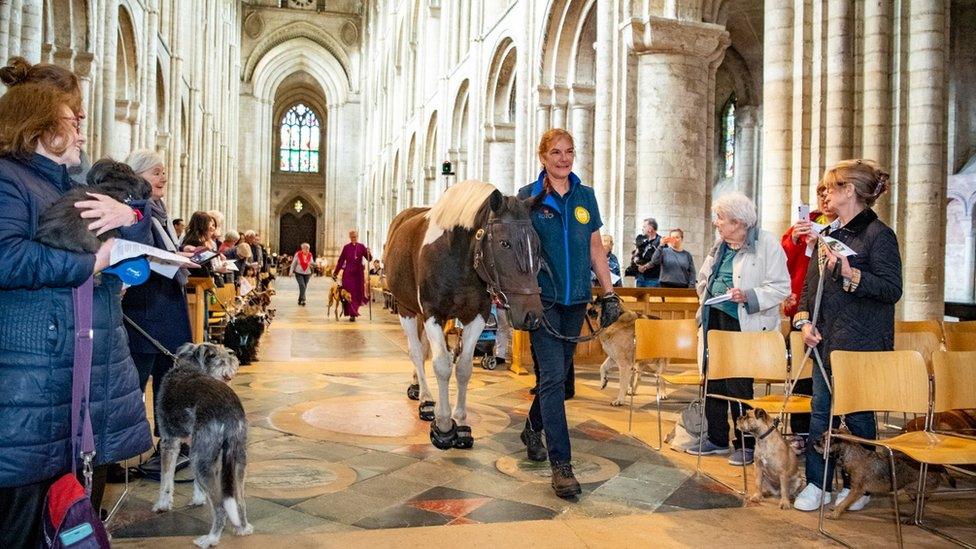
(464, 439)
(443, 440)
(426, 410)
(413, 392)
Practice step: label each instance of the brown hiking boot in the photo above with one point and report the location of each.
(564, 483)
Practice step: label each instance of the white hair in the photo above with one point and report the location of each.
(232, 235)
(460, 204)
(249, 233)
(736, 206)
(143, 160)
(218, 217)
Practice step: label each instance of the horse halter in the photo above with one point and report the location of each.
(499, 235)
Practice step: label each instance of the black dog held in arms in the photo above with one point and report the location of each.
(62, 226)
(196, 403)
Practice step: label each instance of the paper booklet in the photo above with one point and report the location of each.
(718, 299)
(161, 261)
(837, 246)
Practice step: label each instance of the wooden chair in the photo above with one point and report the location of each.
(953, 327)
(759, 355)
(925, 342)
(667, 340)
(895, 381)
(960, 341)
(911, 326)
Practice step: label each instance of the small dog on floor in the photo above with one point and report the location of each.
(777, 473)
(337, 297)
(62, 226)
(617, 341)
(197, 404)
(869, 471)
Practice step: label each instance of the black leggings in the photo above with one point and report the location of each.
(738, 387)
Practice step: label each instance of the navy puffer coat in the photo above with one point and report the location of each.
(37, 343)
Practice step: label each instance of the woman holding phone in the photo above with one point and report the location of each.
(677, 265)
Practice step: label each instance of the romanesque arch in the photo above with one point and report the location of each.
(460, 135)
(500, 117)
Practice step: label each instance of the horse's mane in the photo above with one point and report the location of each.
(460, 204)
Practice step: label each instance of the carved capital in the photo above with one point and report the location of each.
(500, 132)
(663, 35)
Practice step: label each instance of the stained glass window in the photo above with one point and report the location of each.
(300, 132)
(728, 137)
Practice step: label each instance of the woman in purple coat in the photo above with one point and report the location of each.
(353, 274)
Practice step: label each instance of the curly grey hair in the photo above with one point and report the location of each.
(143, 160)
(736, 206)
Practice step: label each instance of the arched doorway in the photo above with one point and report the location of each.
(295, 228)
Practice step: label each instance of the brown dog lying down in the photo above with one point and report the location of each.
(869, 470)
(775, 462)
(618, 343)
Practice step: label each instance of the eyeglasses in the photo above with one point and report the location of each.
(75, 121)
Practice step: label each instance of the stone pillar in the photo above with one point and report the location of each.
(924, 244)
(4, 32)
(559, 98)
(500, 142)
(876, 94)
(777, 130)
(31, 31)
(110, 35)
(603, 109)
(13, 36)
(840, 82)
(672, 113)
(745, 150)
(581, 118)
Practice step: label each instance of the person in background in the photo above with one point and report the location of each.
(158, 306)
(857, 308)
(749, 265)
(612, 261)
(376, 268)
(228, 248)
(218, 218)
(676, 264)
(301, 265)
(179, 226)
(350, 262)
(640, 259)
(199, 233)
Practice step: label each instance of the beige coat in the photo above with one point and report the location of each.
(760, 270)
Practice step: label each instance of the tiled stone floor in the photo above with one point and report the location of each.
(335, 446)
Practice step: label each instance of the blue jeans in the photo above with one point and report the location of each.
(861, 424)
(555, 358)
(648, 282)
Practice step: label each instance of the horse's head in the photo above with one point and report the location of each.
(507, 259)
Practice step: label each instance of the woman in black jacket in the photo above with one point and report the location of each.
(857, 308)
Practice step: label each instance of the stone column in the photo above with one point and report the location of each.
(13, 36)
(559, 99)
(840, 82)
(672, 114)
(500, 142)
(31, 31)
(4, 31)
(777, 130)
(745, 150)
(924, 244)
(876, 95)
(581, 118)
(603, 108)
(110, 35)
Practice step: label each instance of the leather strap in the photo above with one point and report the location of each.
(82, 436)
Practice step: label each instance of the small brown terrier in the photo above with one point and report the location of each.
(869, 470)
(777, 473)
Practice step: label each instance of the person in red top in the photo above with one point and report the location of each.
(796, 241)
(350, 262)
(301, 266)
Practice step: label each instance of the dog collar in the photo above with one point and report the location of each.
(772, 428)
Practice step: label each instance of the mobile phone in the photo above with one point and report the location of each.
(203, 256)
(803, 212)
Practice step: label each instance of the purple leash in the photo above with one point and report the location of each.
(81, 426)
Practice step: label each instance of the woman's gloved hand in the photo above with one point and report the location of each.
(610, 309)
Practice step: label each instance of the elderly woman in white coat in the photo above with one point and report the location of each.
(749, 265)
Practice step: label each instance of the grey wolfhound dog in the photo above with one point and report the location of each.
(196, 403)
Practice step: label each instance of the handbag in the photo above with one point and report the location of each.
(69, 518)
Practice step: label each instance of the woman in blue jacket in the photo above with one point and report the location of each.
(566, 217)
(40, 138)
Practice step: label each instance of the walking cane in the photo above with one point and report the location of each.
(369, 288)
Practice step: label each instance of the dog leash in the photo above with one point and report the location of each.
(152, 340)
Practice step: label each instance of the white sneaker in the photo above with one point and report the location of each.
(857, 505)
(809, 498)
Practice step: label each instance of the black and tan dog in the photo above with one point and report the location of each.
(196, 403)
(62, 226)
(869, 471)
(777, 472)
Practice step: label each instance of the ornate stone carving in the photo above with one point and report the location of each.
(350, 33)
(254, 25)
(662, 35)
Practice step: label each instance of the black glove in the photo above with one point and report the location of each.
(609, 309)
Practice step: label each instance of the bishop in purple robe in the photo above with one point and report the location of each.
(353, 269)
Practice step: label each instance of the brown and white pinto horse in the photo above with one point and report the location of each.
(474, 247)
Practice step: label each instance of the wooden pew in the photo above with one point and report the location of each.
(197, 299)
